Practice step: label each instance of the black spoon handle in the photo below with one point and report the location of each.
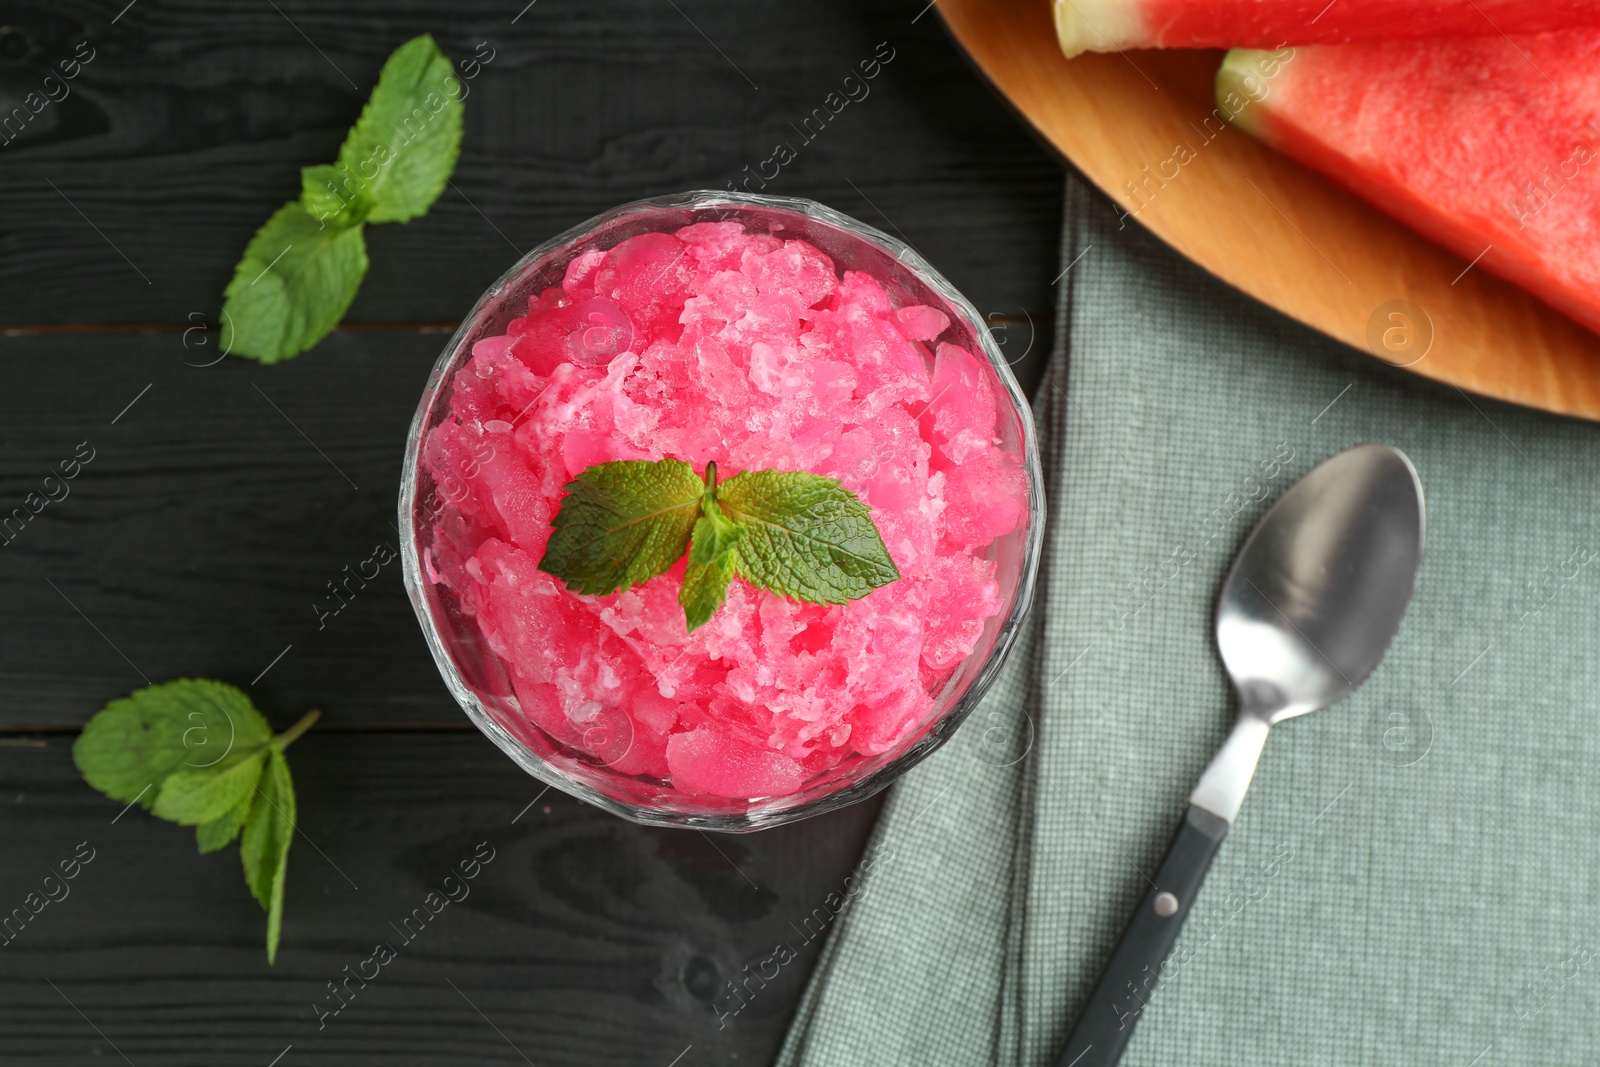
(1103, 1029)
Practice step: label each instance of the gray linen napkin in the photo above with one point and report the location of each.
(1414, 877)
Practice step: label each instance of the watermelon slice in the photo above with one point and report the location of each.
(1113, 25)
(1488, 145)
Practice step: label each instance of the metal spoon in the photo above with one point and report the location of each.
(1313, 601)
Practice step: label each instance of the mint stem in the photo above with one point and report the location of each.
(285, 739)
(711, 480)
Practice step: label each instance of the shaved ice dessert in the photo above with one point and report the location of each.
(726, 341)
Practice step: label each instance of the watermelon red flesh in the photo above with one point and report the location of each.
(1477, 142)
(1113, 25)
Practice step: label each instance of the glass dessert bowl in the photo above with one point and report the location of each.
(755, 333)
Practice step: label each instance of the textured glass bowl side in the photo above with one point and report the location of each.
(478, 679)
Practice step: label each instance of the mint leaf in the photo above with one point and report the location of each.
(295, 282)
(806, 537)
(333, 196)
(622, 523)
(792, 533)
(705, 586)
(264, 848)
(197, 752)
(711, 558)
(404, 145)
(220, 832)
(714, 534)
(134, 743)
(302, 269)
(191, 797)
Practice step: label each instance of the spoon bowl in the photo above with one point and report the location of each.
(1317, 593)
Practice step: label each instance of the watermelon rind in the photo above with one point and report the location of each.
(1243, 81)
(1098, 25)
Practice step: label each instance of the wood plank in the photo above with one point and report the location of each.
(212, 516)
(1267, 225)
(586, 940)
(193, 120)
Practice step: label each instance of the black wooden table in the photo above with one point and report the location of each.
(224, 496)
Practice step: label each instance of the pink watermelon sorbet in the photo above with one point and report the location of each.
(712, 343)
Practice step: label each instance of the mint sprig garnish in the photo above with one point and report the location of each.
(302, 269)
(800, 535)
(197, 752)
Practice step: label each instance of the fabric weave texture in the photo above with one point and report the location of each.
(1415, 876)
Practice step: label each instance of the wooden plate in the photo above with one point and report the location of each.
(1267, 225)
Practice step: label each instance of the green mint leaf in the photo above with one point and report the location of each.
(403, 148)
(705, 586)
(714, 535)
(331, 196)
(302, 269)
(133, 744)
(711, 558)
(623, 523)
(264, 848)
(220, 832)
(295, 282)
(197, 752)
(806, 537)
(213, 835)
(190, 797)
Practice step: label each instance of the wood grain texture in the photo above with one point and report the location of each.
(205, 531)
(586, 940)
(1263, 223)
(222, 499)
(195, 118)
